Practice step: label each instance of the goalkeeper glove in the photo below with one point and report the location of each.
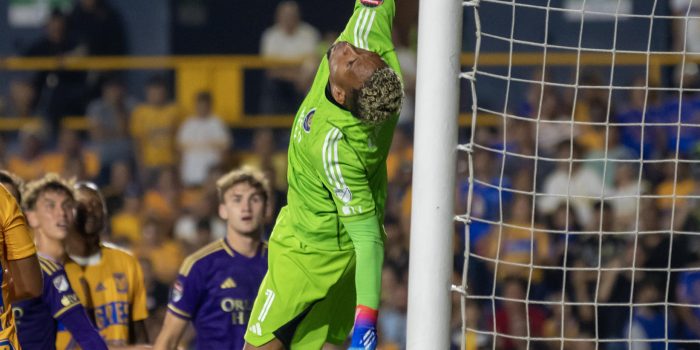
(364, 335)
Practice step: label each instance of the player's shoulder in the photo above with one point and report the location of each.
(49, 266)
(201, 256)
(112, 252)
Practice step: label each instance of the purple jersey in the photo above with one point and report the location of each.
(215, 290)
(37, 319)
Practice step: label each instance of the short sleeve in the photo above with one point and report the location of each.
(138, 306)
(184, 295)
(344, 175)
(58, 293)
(18, 240)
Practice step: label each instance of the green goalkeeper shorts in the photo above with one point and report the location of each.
(307, 297)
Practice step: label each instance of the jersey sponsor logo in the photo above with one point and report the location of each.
(344, 194)
(371, 3)
(228, 283)
(121, 283)
(60, 283)
(69, 299)
(176, 294)
(238, 308)
(308, 119)
(116, 313)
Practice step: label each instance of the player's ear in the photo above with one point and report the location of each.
(222, 211)
(338, 94)
(31, 218)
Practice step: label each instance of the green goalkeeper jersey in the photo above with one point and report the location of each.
(337, 164)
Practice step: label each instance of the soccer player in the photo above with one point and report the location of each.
(49, 203)
(217, 284)
(20, 275)
(326, 250)
(107, 279)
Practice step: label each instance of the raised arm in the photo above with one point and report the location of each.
(22, 264)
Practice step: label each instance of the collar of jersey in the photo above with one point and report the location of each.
(87, 261)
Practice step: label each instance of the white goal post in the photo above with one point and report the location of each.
(595, 232)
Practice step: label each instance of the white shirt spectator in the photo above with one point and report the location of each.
(278, 43)
(202, 141)
(692, 32)
(584, 182)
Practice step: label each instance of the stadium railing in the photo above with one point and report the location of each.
(224, 76)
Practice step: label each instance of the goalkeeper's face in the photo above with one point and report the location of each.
(243, 208)
(349, 67)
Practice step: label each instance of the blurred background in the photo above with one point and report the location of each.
(154, 100)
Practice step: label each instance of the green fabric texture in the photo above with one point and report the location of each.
(369, 257)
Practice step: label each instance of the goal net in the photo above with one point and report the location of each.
(577, 178)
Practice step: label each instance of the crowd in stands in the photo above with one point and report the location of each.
(157, 170)
(613, 221)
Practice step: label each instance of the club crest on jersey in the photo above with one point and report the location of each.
(176, 294)
(371, 3)
(121, 283)
(308, 119)
(344, 194)
(60, 283)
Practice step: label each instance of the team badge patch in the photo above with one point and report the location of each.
(344, 194)
(121, 283)
(60, 283)
(371, 3)
(308, 119)
(176, 293)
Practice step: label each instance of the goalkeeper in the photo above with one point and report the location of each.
(326, 250)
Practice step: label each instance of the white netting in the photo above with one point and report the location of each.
(579, 175)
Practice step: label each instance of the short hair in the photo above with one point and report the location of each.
(7, 177)
(157, 80)
(51, 182)
(253, 177)
(379, 98)
(92, 187)
(204, 96)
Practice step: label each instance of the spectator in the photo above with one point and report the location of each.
(642, 105)
(187, 226)
(28, 162)
(649, 321)
(578, 185)
(513, 314)
(69, 150)
(202, 141)
(289, 38)
(108, 119)
(21, 102)
(164, 253)
(62, 92)
(676, 186)
(265, 155)
(162, 201)
(121, 181)
(126, 222)
(516, 244)
(99, 27)
(153, 126)
(687, 293)
(627, 188)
